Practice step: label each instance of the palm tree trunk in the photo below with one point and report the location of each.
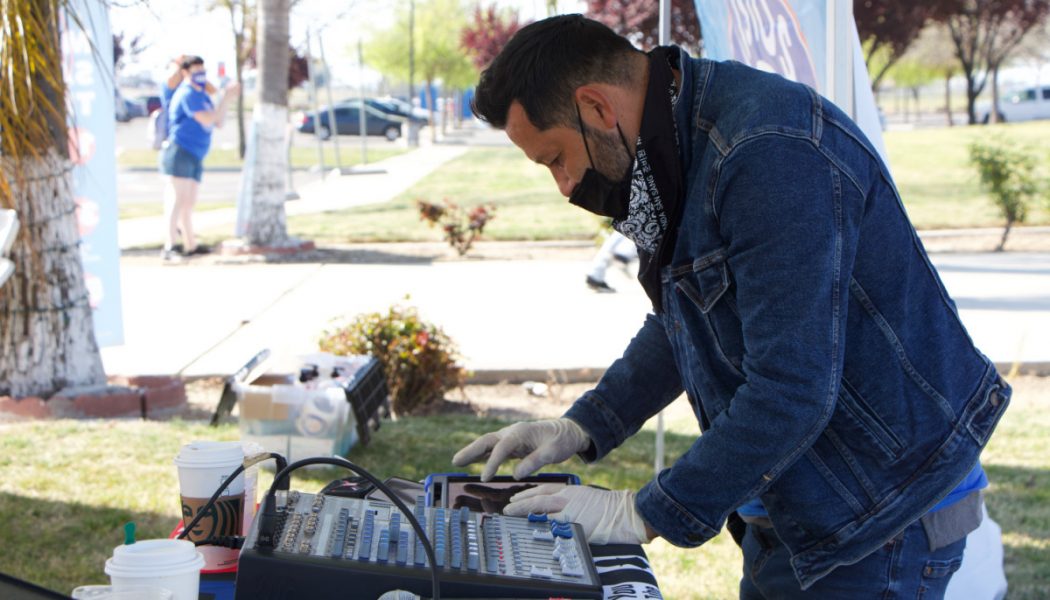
(47, 337)
(267, 224)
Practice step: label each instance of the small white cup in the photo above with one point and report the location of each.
(131, 592)
(172, 564)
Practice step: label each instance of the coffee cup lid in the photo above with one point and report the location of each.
(207, 453)
(156, 556)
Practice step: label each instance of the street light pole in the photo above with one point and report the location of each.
(333, 126)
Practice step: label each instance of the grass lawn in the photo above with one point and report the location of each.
(302, 156)
(528, 206)
(939, 186)
(931, 167)
(153, 209)
(69, 486)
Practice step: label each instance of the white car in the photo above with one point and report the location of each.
(1022, 105)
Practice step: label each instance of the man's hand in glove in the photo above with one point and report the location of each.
(537, 443)
(607, 516)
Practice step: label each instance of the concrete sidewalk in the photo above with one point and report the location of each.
(514, 318)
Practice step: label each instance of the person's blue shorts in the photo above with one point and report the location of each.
(178, 162)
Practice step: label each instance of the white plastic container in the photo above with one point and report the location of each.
(203, 466)
(171, 564)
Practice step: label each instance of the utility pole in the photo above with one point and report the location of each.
(311, 71)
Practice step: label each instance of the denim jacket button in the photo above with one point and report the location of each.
(995, 399)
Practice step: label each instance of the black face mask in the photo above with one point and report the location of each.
(598, 194)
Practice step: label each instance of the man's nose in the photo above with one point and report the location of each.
(565, 183)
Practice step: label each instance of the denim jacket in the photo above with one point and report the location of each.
(822, 355)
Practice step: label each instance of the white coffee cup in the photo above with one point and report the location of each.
(171, 564)
(203, 466)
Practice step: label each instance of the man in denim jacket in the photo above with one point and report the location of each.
(842, 402)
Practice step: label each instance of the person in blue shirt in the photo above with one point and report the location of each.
(191, 118)
(842, 402)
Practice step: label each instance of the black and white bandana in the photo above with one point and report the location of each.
(656, 178)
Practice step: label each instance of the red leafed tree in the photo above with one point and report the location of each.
(888, 26)
(984, 33)
(489, 33)
(639, 21)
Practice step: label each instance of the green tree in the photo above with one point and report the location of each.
(47, 338)
(438, 54)
(935, 50)
(912, 75)
(1008, 172)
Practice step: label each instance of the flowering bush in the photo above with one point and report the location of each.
(418, 359)
(461, 227)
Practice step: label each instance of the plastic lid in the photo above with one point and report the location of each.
(154, 558)
(206, 453)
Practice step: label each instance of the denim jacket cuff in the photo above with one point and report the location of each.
(599, 422)
(669, 518)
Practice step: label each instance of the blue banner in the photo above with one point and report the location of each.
(87, 50)
(781, 36)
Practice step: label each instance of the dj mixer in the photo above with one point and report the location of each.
(329, 547)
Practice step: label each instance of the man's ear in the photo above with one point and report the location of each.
(596, 107)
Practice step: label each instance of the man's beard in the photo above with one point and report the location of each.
(611, 158)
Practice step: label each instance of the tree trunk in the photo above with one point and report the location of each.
(47, 337)
(993, 114)
(1006, 232)
(267, 225)
(971, 100)
(240, 109)
(948, 98)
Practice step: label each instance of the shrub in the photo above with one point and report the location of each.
(461, 228)
(1008, 172)
(419, 360)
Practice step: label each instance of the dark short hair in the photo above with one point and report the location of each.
(542, 66)
(189, 61)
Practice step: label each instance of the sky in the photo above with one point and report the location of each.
(174, 27)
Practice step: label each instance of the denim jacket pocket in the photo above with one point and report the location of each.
(704, 280)
(856, 417)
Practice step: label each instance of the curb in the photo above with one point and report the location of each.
(138, 396)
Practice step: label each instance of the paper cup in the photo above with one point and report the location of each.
(203, 466)
(171, 564)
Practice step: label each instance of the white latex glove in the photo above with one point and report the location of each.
(607, 516)
(537, 443)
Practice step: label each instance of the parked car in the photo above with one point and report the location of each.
(1022, 105)
(392, 106)
(348, 122)
(126, 110)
